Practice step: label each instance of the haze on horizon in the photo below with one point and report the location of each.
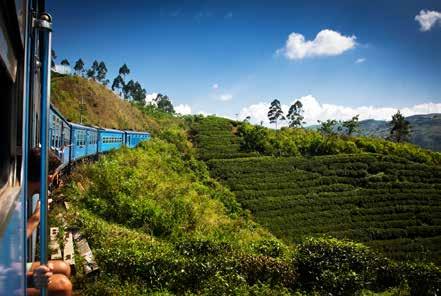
(232, 58)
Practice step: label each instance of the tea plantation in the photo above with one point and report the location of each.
(215, 138)
(390, 201)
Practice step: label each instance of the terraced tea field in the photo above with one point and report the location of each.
(391, 204)
(215, 138)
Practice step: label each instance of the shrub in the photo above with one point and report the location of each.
(337, 267)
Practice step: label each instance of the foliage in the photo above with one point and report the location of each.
(65, 62)
(328, 127)
(342, 268)
(101, 72)
(352, 125)
(294, 142)
(388, 202)
(295, 116)
(400, 128)
(164, 103)
(118, 83)
(124, 70)
(275, 112)
(79, 67)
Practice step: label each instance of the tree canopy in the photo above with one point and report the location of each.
(275, 112)
(400, 128)
(79, 67)
(164, 103)
(351, 125)
(295, 116)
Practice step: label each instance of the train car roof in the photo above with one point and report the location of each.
(135, 132)
(76, 125)
(110, 130)
(56, 111)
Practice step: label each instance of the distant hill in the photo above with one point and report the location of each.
(426, 130)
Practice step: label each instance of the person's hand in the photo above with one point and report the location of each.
(41, 276)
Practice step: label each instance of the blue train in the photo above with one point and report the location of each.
(28, 121)
(72, 141)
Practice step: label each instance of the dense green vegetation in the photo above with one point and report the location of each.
(216, 137)
(389, 203)
(159, 225)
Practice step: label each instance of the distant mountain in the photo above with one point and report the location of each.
(425, 130)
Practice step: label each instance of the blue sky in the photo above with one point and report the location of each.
(232, 57)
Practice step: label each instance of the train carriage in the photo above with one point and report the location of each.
(59, 135)
(110, 139)
(84, 141)
(132, 138)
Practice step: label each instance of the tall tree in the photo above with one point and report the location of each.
(127, 89)
(93, 71)
(328, 127)
(53, 58)
(79, 66)
(123, 71)
(164, 103)
(65, 62)
(351, 125)
(275, 112)
(101, 71)
(138, 93)
(118, 84)
(400, 128)
(295, 116)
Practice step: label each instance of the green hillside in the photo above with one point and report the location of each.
(158, 223)
(390, 200)
(388, 203)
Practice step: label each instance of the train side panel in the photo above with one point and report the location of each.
(83, 142)
(110, 139)
(134, 138)
(59, 135)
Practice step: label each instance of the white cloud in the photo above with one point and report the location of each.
(428, 19)
(183, 109)
(150, 98)
(215, 86)
(326, 43)
(314, 110)
(225, 97)
(360, 61)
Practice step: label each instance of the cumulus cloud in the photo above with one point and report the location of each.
(150, 98)
(215, 86)
(326, 43)
(428, 19)
(225, 97)
(360, 61)
(183, 109)
(314, 111)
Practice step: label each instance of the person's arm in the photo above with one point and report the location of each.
(33, 221)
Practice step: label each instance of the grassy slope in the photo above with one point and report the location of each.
(387, 202)
(101, 106)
